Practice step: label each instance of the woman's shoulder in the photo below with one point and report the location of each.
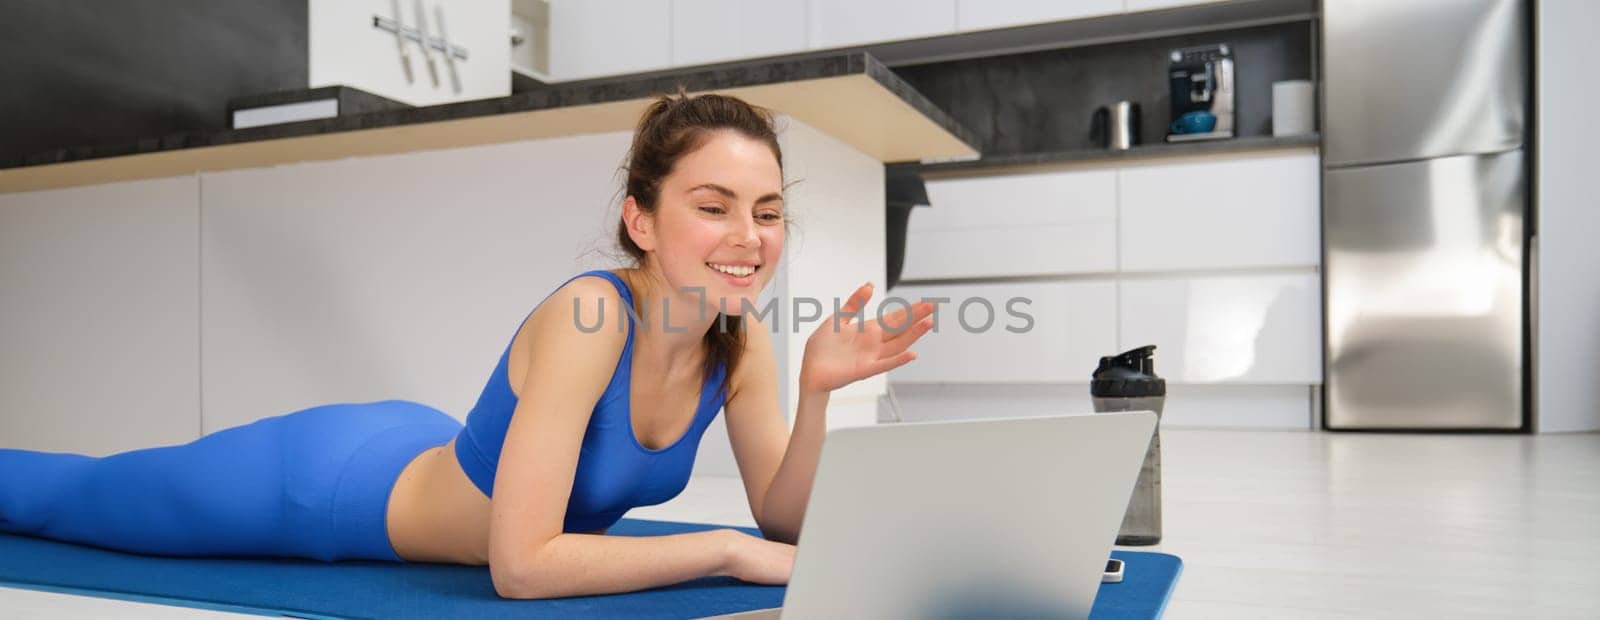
(585, 309)
(592, 288)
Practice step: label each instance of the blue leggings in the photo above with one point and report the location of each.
(311, 484)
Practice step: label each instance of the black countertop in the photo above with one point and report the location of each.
(595, 91)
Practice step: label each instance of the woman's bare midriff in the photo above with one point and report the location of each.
(436, 514)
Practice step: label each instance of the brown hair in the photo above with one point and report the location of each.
(674, 126)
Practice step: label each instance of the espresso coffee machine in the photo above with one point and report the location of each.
(1201, 79)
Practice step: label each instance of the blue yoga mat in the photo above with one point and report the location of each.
(309, 589)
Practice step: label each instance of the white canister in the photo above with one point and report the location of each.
(1292, 108)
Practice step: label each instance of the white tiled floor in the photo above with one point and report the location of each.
(1304, 525)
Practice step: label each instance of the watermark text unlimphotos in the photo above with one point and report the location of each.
(975, 315)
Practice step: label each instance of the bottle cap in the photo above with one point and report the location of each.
(1131, 374)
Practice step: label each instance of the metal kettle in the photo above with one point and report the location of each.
(1116, 126)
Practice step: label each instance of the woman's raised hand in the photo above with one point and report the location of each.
(850, 346)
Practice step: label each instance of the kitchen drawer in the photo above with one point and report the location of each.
(1071, 327)
(1246, 329)
(1051, 223)
(1241, 212)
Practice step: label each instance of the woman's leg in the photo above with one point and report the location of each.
(216, 495)
(293, 485)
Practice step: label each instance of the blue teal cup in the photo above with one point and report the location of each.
(1194, 122)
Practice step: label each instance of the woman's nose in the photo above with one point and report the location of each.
(743, 233)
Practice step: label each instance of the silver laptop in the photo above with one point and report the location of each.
(1009, 517)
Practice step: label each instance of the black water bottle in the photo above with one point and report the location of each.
(1128, 382)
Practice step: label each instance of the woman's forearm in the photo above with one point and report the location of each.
(784, 506)
(585, 564)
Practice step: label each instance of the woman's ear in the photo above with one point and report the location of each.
(641, 225)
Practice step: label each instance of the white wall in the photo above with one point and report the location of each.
(393, 277)
(346, 49)
(1568, 362)
(838, 244)
(99, 296)
(158, 309)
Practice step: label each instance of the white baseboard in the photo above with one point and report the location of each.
(1267, 407)
(1274, 407)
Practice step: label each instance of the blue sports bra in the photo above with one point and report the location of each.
(615, 473)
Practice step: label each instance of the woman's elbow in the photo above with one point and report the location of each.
(522, 588)
(778, 533)
(519, 581)
(509, 583)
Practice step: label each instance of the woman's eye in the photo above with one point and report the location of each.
(716, 210)
(771, 217)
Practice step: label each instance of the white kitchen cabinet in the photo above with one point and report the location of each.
(839, 23)
(592, 38)
(345, 49)
(708, 31)
(1221, 213)
(1134, 6)
(1061, 330)
(99, 294)
(986, 14)
(1243, 329)
(1027, 224)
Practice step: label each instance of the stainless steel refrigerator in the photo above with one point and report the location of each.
(1425, 214)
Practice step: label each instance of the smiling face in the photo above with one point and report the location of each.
(718, 224)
